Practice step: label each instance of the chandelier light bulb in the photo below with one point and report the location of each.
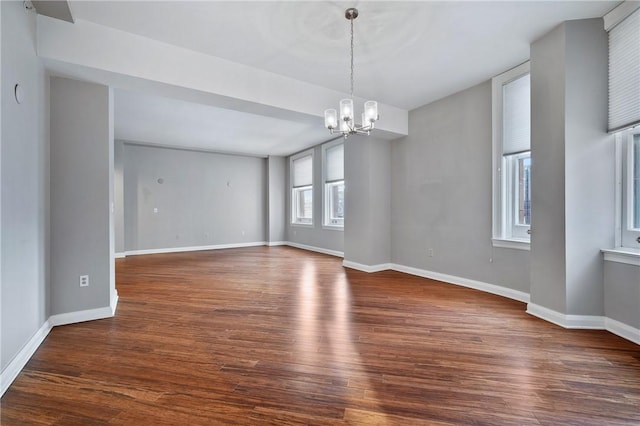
(346, 110)
(330, 119)
(371, 111)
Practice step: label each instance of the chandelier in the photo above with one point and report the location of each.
(345, 123)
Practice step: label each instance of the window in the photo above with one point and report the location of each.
(623, 25)
(302, 189)
(630, 185)
(512, 158)
(333, 177)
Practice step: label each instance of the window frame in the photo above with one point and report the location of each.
(505, 233)
(295, 191)
(511, 198)
(626, 235)
(326, 188)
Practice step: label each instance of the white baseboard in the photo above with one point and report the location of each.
(464, 282)
(591, 322)
(114, 302)
(623, 330)
(194, 248)
(87, 315)
(120, 255)
(16, 365)
(366, 268)
(276, 243)
(316, 249)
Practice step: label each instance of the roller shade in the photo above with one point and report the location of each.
(624, 73)
(335, 163)
(303, 171)
(516, 113)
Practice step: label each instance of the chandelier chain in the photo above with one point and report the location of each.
(351, 20)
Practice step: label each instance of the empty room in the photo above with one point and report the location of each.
(320, 212)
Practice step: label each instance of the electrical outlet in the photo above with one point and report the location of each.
(84, 280)
(430, 252)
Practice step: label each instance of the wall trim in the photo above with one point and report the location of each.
(193, 248)
(623, 330)
(591, 322)
(366, 268)
(120, 255)
(628, 256)
(20, 360)
(316, 249)
(276, 243)
(464, 282)
(86, 315)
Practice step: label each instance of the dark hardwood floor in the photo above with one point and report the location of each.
(284, 336)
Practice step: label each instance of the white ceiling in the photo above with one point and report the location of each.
(407, 54)
(158, 120)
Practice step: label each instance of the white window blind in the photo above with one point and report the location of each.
(335, 163)
(303, 171)
(624, 73)
(516, 113)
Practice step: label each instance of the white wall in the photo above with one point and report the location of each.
(81, 196)
(441, 194)
(24, 194)
(202, 198)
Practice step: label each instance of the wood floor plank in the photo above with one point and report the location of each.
(277, 335)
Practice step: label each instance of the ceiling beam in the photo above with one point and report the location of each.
(107, 53)
(59, 9)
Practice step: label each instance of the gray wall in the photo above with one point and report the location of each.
(573, 168)
(204, 198)
(441, 193)
(81, 195)
(276, 199)
(589, 165)
(622, 293)
(548, 270)
(118, 196)
(316, 235)
(367, 230)
(24, 176)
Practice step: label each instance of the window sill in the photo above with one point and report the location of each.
(333, 227)
(630, 256)
(302, 225)
(511, 244)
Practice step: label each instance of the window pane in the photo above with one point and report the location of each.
(302, 202)
(305, 204)
(334, 203)
(636, 181)
(337, 201)
(524, 191)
